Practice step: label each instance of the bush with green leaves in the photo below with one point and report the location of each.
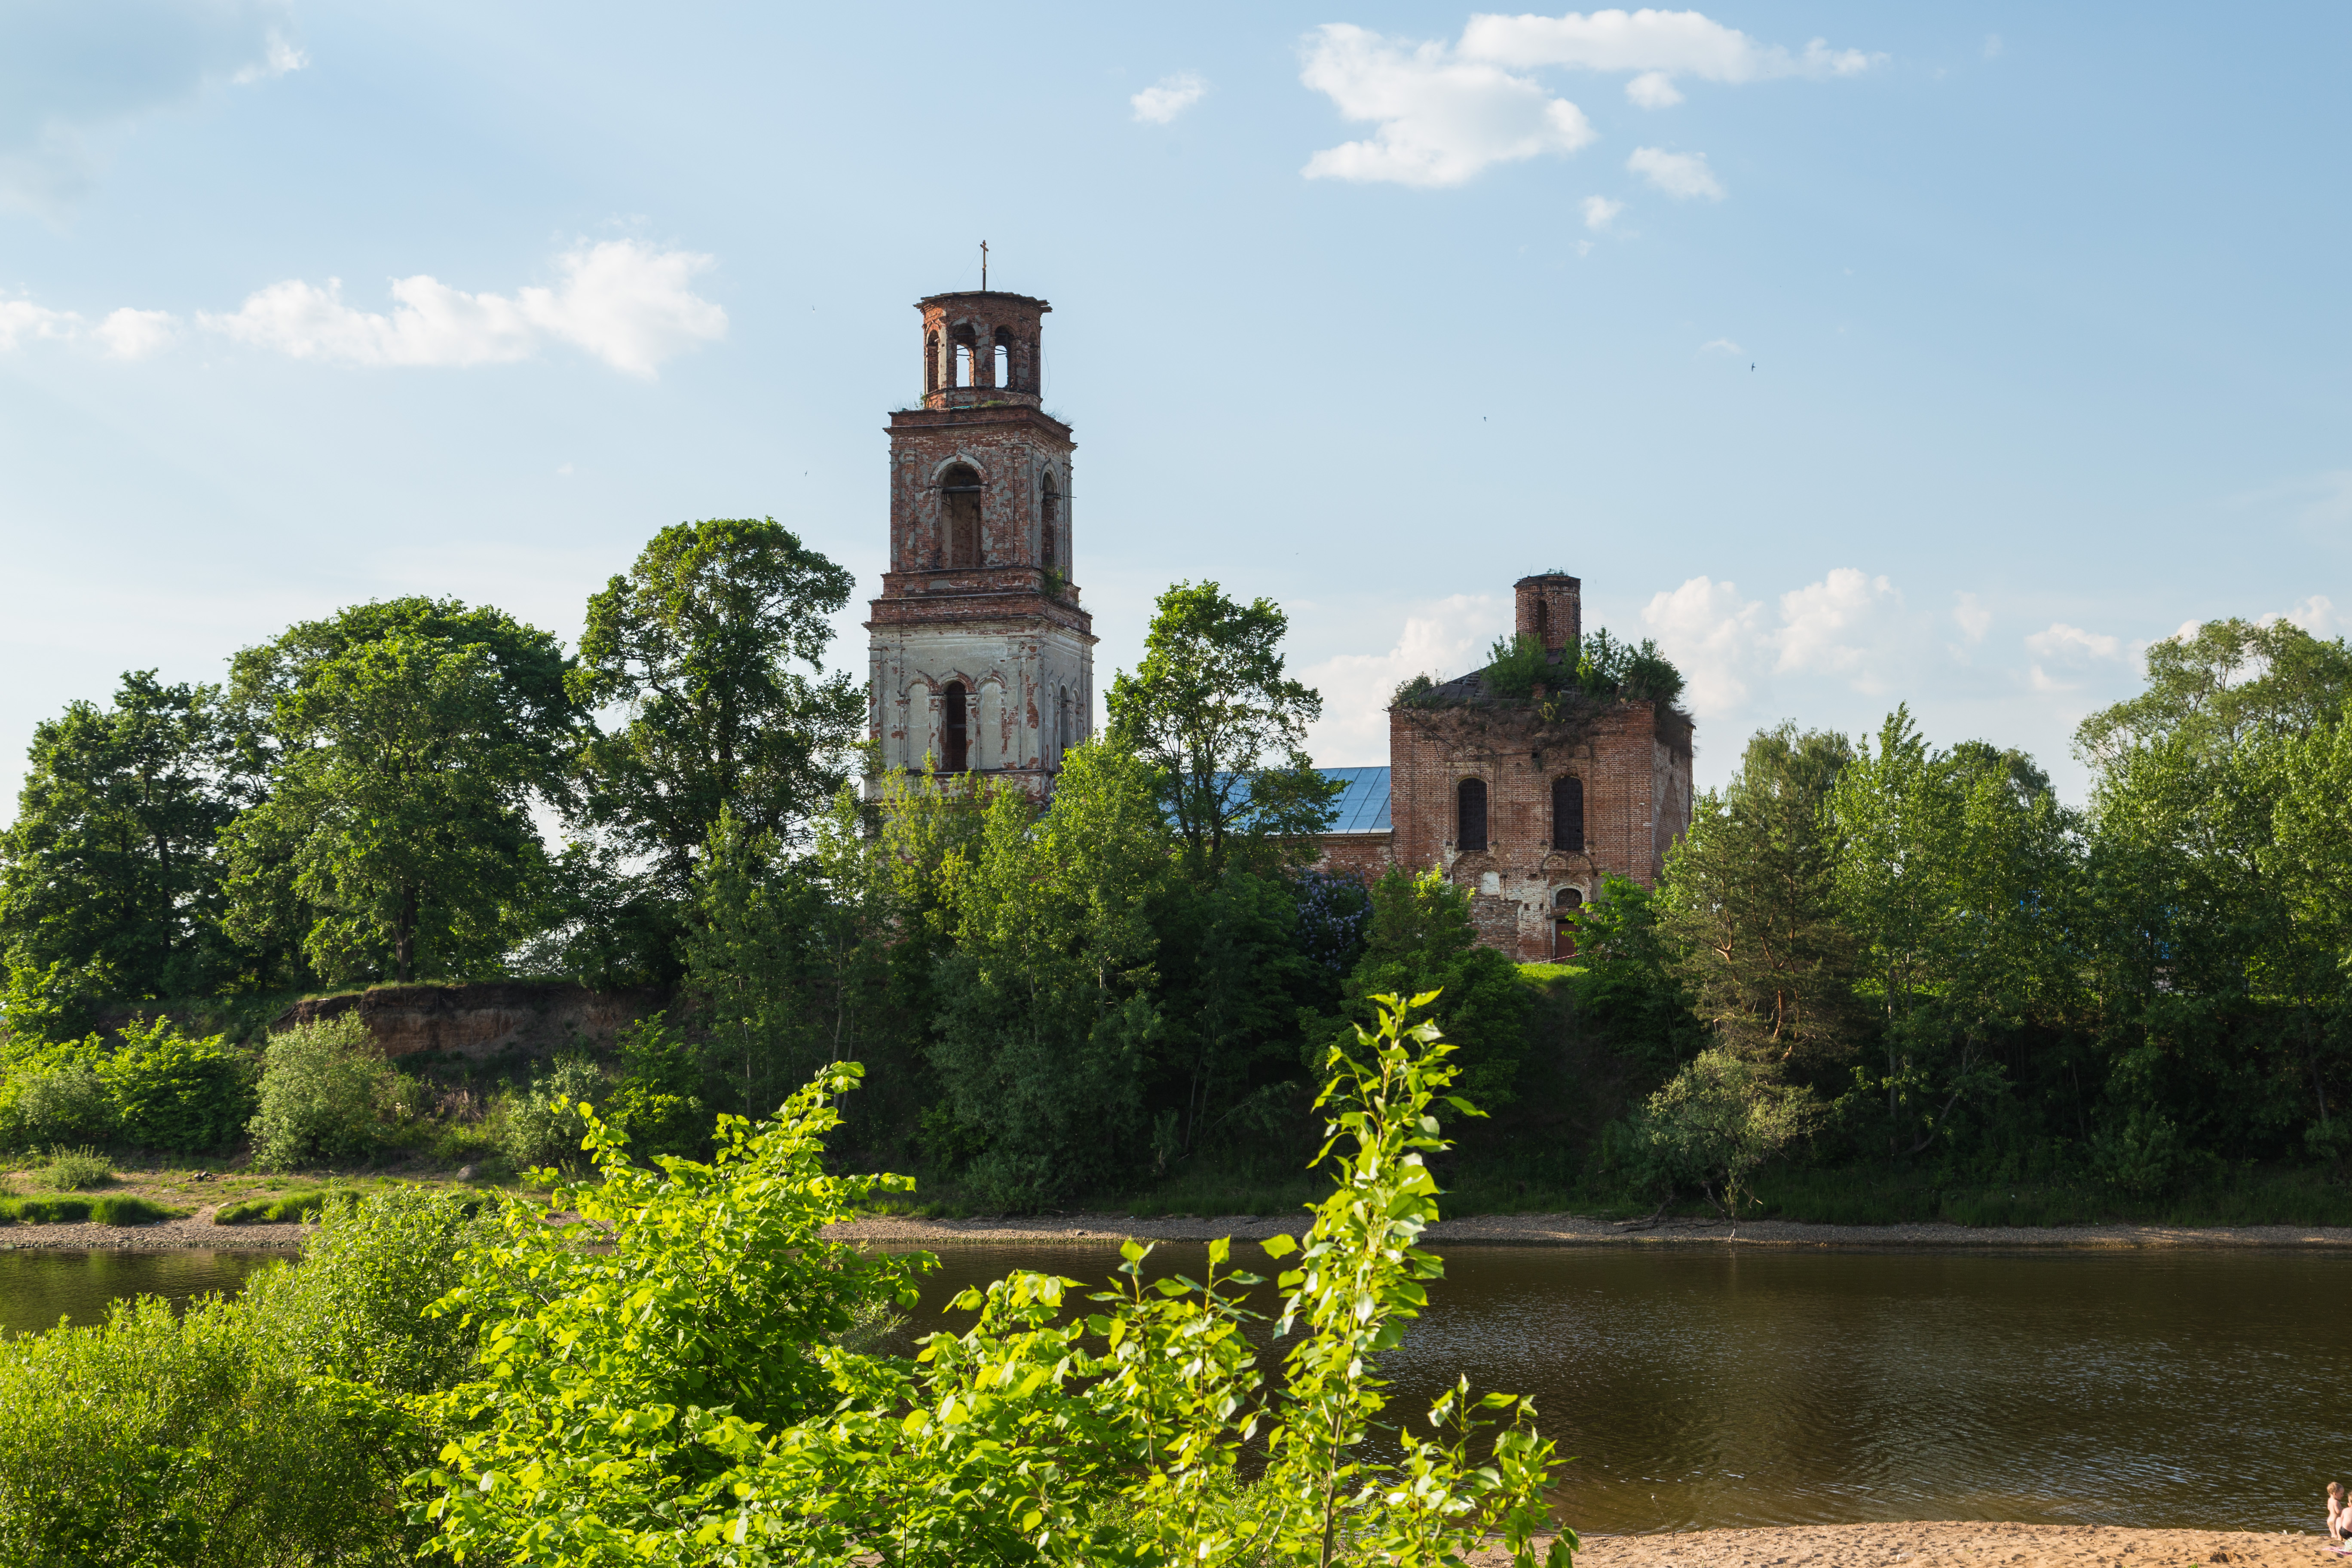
(677, 1392)
(322, 1084)
(542, 1123)
(252, 1431)
(72, 1170)
(1718, 1119)
(53, 1099)
(172, 1091)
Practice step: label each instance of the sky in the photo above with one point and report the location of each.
(1860, 355)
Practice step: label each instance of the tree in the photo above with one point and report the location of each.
(406, 743)
(1045, 1011)
(1210, 709)
(1421, 940)
(109, 879)
(699, 643)
(1719, 1119)
(1749, 900)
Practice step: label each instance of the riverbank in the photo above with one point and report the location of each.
(1947, 1545)
(194, 1232)
(1570, 1230)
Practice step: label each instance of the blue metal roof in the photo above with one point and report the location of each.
(1363, 808)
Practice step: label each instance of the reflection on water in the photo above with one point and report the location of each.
(1712, 1386)
(38, 1287)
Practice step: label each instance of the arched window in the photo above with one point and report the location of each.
(1049, 515)
(1568, 813)
(930, 362)
(955, 730)
(1003, 366)
(966, 354)
(959, 503)
(1543, 624)
(1470, 815)
(1564, 905)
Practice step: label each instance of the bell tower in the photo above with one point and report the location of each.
(982, 658)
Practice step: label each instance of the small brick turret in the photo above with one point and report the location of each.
(980, 348)
(1552, 610)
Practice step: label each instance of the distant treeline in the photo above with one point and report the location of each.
(1879, 955)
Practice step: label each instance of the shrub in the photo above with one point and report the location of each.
(56, 1102)
(189, 1439)
(169, 1091)
(51, 1211)
(129, 1208)
(321, 1083)
(72, 1170)
(542, 1123)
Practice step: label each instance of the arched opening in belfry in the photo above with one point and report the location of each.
(930, 362)
(1470, 815)
(955, 729)
(1003, 365)
(1564, 905)
(966, 354)
(959, 501)
(1049, 516)
(1568, 813)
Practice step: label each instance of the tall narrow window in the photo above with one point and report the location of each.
(1543, 624)
(931, 362)
(1003, 366)
(963, 365)
(959, 502)
(1564, 905)
(955, 730)
(1470, 815)
(1062, 728)
(1049, 517)
(1568, 813)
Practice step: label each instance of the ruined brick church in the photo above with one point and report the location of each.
(982, 659)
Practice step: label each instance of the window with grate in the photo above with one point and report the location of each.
(955, 730)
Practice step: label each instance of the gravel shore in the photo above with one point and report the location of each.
(1567, 1230)
(1947, 1545)
(195, 1233)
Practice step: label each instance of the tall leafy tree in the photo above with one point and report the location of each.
(1211, 707)
(1750, 902)
(700, 643)
(406, 743)
(110, 881)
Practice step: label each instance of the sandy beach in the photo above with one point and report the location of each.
(1948, 1545)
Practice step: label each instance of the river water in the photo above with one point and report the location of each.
(1710, 1386)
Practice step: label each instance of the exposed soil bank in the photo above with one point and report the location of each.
(1567, 1230)
(1948, 1545)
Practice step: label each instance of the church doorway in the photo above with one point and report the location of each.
(1564, 905)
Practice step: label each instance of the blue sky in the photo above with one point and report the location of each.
(1858, 353)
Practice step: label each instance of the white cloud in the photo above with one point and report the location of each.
(629, 304)
(1680, 175)
(1168, 97)
(1712, 635)
(135, 334)
(1667, 43)
(2073, 642)
(75, 81)
(1653, 89)
(1974, 619)
(1441, 639)
(1722, 346)
(1599, 212)
(1840, 625)
(1441, 119)
(21, 318)
(2316, 614)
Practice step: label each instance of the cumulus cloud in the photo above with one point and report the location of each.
(134, 334)
(1680, 175)
(1974, 619)
(1440, 119)
(2316, 614)
(22, 320)
(75, 81)
(629, 304)
(1653, 89)
(2063, 640)
(1722, 346)
(1168, 97)
(1599, 212)
(1442, 640)
(1714, 635)
(1839, 625)
(1661, 43)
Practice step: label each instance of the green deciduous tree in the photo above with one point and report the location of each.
(109, 879)
(406, 743)
(1210, 709)
(699, 643)
(1749, 899)
(1720, 1120)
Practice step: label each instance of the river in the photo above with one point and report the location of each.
(1715, 1386)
